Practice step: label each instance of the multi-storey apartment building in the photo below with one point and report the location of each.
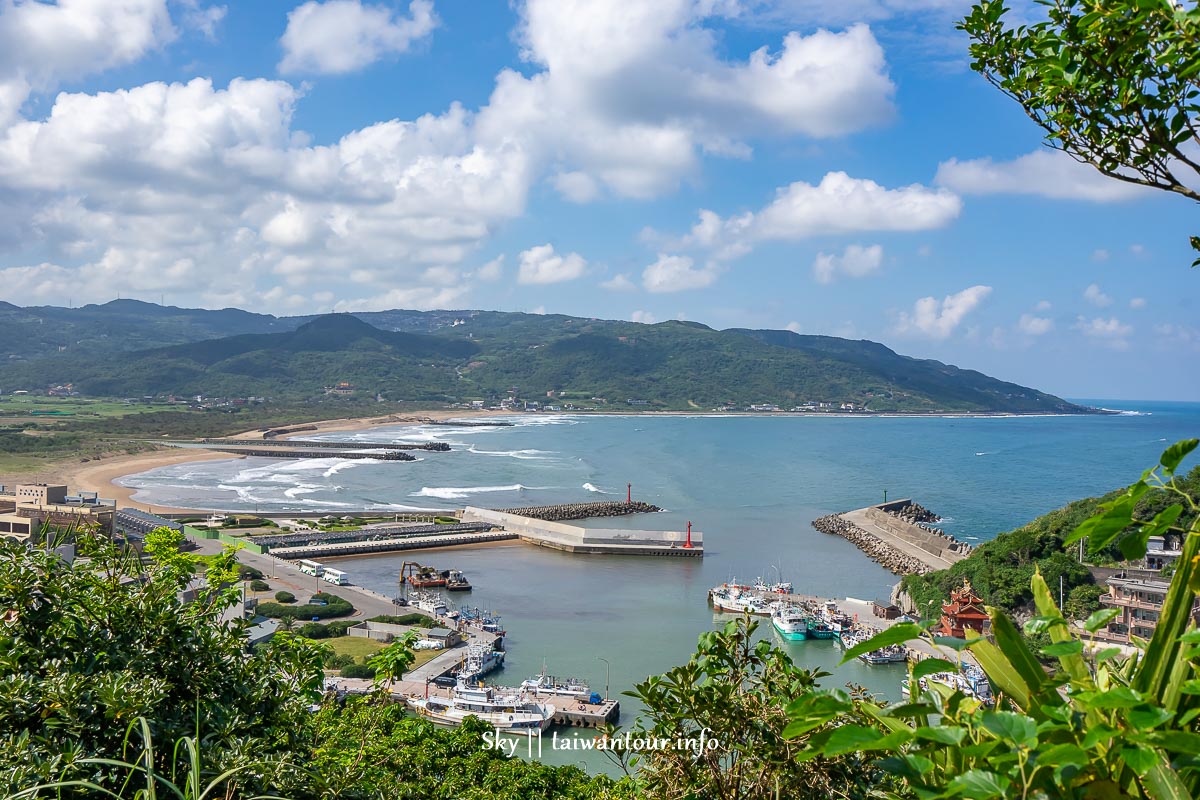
(1140, 602)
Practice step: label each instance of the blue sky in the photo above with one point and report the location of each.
(833, 167)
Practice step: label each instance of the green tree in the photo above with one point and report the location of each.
(393, 661)
(88, 649)
(1113, 83)
(725, 713)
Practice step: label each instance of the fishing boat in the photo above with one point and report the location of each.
(429, 602)
(892, 654)
(456, 581)
(730, 597)
(782, 587)
(479, 661)
(820, 629)
(971, 687)
(791, 622)
(503, 709)
(542, 683)
(483, 619)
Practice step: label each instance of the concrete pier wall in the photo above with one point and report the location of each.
(577, 539)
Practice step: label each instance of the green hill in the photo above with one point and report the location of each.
(128, 348)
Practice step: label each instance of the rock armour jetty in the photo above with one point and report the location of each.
(436, 447)
(573, 511)
(895, 536)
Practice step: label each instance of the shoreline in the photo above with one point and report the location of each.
(102, 475)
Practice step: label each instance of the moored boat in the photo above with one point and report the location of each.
(542, 683)
(503, 709)
(479, 661)
(456, 581)
(734, 599)
(791, 622)
(819, 629)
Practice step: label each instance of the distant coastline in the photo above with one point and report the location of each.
(104, 475)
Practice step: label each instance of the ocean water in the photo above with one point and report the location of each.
(751, 484)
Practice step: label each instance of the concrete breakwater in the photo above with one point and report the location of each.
(271, 433)
(890, 558)
(271, 451)
(435, 447)
(572, 511)
(888, 535)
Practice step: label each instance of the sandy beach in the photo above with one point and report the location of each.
(101, 475)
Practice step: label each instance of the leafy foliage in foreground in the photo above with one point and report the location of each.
(86, 651)
(729, 700)
(1112, 84)
(1099, 725)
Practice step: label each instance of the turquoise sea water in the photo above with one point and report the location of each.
(751, 484)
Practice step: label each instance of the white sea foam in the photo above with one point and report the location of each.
(592, 488)
(304, 488)
(524, 455)
(461, 492)
(983, 454)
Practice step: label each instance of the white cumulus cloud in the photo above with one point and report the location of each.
(206, 193)
(626, 94)
(855, 261)
(1111, 332)
(619, 283)
(1048, 173)
(1137, 302)
(1032, 325)
(43, 44)
(339, 36)
(1096, 297)
(644, 317)
(938, 319)
(838, 204)
(676, 274)
(542, 265)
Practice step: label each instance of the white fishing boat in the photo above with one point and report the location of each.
(953, 680)
(503, 709)
(782, 587)
(736, 599)
(892, 654)
(791, 622)
(430, 602)
(543, 684)
(479, 661)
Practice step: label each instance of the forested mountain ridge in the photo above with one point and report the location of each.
(127, 348)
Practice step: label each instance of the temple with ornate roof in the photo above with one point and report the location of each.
(965, 610)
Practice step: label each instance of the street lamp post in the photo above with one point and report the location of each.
(607, 674)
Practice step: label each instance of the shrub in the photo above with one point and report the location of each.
(331, 630)
(259, 586)
(246, 572)
(338, 661)
(285, 597)
(358, 671)
(334, 607)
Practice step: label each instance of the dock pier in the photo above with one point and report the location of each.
(887, 534)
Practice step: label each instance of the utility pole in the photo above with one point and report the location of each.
(1060, 592)
(607, 674)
